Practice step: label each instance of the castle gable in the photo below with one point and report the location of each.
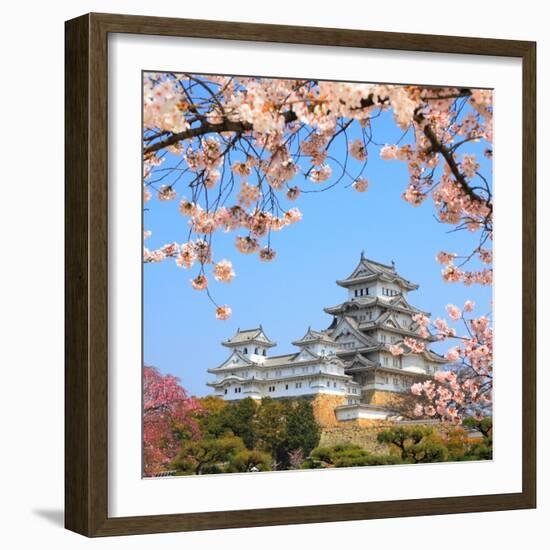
(346, 330)
(236, 359)
(305, 355)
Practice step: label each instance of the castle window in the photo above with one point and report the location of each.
(246, 351)
(286, 386)
(298, 384)
(225, 391)
(256, 351)
(264, 352)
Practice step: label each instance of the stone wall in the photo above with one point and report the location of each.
(364, 433)
(358, 432)
(383, 398)
(323, 409)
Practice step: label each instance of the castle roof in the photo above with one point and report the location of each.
(359, 363)
(249, 336)
(397, 303)
(314, 336)
(348, 325)
(388, 322)
(368, 270)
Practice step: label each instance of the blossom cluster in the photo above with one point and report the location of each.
(466, 386)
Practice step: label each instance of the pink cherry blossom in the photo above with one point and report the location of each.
(200, 282)
(445, 257)
(396, 349)
(454, 312)
(166, 193)
(267, 254)
(247, 245)
(360, 185)
(223, 271)
(358, 150)
(223, 313)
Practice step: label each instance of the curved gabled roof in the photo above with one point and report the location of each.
(313, 336)
(369, 270)
(249, 336)
(397, 303)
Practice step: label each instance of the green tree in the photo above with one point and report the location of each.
(248, 461)
(239, 419)
(346, 455)
(270, 426)
(207, 456)
(303, 432)
(480, 449)
(415, 444)
(230, 419)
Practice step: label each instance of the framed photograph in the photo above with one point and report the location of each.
(300, 280)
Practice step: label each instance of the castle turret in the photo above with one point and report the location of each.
(250, 342)
(372, 278)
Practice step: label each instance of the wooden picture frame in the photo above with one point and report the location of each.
(86, 222)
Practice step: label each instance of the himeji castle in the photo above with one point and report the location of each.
(350, 359)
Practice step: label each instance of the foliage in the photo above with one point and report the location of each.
(230, 418)
(481, 449)
(346, 455)
(285, 426)
(207, 456)
(169, 416)
(248, 461)
(414, 444)
(284, 430)
(303, 432)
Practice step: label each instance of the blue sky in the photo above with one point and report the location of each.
(181, 334)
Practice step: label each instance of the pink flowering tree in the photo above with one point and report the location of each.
(247, 148)
(168, 414)
(465, 387)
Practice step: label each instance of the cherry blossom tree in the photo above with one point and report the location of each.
(465, 387)
(247, 148)
(169, 415)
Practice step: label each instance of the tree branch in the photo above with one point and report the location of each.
(446, 153)
(210, 128)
